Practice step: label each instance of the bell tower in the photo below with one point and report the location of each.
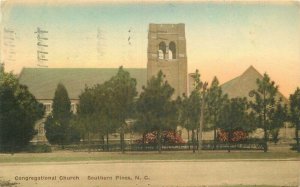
(167, 52)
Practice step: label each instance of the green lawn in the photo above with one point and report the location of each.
(68, 156)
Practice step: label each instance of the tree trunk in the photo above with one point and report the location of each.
(215, 138)
(201, 119)
(201, 127)
(89, 142)
(107, 144)
(264, 125)
(122, 139)
(103, 142)
(197, 133)
(297, 138)
(121, 143)
(229, 141)
(159, 140)
(144, 140)
(265, 139)
(189, 139)
(193, 141)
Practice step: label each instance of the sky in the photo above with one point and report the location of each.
(223, 39)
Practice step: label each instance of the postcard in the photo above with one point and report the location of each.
(149, 93)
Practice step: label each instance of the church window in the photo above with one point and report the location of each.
(172, 50)
(161, 50)
(48, 107)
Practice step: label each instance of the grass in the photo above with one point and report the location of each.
(69, 156)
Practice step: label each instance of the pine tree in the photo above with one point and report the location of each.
(155, 108)
(264, 104)
(57, 126)
(122, 92)
(19, 111)
(215, 100)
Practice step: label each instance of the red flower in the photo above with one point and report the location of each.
(236, 136)
(169, 137)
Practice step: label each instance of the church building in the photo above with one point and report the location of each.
(166, 52)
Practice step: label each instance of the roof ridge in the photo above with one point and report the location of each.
(231, 80)
(253, 69)
(250, 72)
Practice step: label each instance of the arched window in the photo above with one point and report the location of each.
(172, 50)
(161, 50)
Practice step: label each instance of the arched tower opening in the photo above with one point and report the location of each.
(162, 50)
(172, 50)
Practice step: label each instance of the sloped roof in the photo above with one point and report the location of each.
(42, 82)
(243, 84)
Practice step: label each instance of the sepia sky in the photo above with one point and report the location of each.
(223, 39)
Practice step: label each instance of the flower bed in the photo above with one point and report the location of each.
(168, 137)
(237, 136)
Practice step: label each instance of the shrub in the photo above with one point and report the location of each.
(168, 137)
(237, 135)
(38, 148)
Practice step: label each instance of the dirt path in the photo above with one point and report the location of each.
(171, 173)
